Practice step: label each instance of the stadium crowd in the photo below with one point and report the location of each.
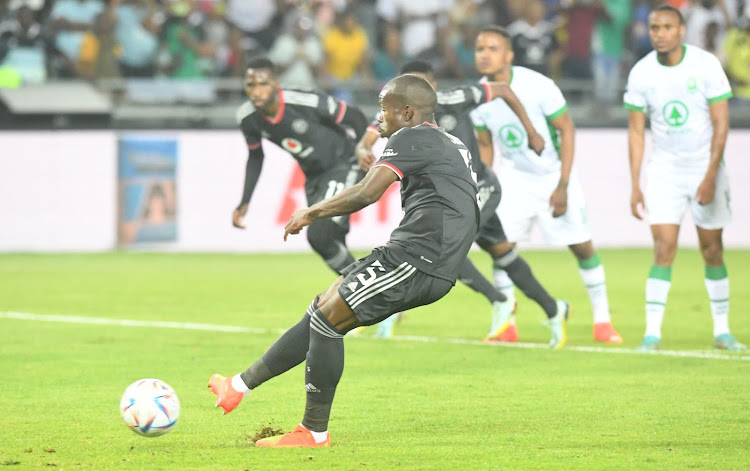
(348, 45)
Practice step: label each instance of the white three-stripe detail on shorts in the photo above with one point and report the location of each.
(409, 272)
(378, 282)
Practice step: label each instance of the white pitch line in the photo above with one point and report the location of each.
(706, 355)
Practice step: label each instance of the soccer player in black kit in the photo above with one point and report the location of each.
(452, 114)
(417, 266)
(311, 127)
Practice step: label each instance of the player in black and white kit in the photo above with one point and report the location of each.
(452, 114)
(417, 266)
(311, 127)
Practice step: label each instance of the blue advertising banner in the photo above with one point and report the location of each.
(147, 176)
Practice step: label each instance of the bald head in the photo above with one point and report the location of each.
(412, 91)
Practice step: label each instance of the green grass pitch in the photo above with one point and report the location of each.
(401, 404)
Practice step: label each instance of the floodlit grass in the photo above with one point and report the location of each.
(402, 404)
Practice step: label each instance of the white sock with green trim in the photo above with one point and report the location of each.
(657, 291)
(717, 285)
(504, 283)
(592, 274)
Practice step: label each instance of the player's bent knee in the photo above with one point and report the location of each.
(330, 291)
(339, 314)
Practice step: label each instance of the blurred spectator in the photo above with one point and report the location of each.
(137, 31)
(699, 15)
(298, 54)
(534, 43)
(70, 20)
(218, 33)
(100, 51)
(388, 59)
(345, 45)
(186, 54)
(463, 51)
(422, 23)
(258, 20)
(581, 16)
(22, 47)
(609, 49)
(737, 48)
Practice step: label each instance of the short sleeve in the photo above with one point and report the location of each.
(251, 133)
(403, 154)
(477, 118)
(634, 98)
(716, 84)
(331, 108)
(553, 101)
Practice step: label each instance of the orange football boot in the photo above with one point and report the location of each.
(300, 437)
(604, 332)
(228, 397)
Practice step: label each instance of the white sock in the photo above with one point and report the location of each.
(239, 385)
(504, 284)
(657, 291)
(718, 294)
(513, 320)
(596, 285)
(319, 437)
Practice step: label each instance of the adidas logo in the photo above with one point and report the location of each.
(309, 387)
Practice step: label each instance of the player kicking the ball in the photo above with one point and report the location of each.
(418, 265)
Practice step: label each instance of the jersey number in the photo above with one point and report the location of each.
(334, 188)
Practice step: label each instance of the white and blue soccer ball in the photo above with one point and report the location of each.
(150, 407)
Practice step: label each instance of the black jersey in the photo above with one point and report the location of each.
(307, 126)
(452, 114)
(439, 198)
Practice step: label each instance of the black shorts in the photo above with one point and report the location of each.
(490, 229)
(332, 183)
(379, 285)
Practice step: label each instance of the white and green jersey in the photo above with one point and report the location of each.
(543, 102)
(676, 100)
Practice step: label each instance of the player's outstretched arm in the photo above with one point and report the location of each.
(559, 199)
(486, 149)
(351, 200)
(719, 112)
(252, 173)
(636, 129)
(363, 150)
(503, 90)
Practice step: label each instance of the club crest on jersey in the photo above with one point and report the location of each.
(448, 122)
(512, 136)
(692, 85)
(300, 126)
(675, 113)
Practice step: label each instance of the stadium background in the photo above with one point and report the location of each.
(125, 109)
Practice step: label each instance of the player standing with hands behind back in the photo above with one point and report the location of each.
(684, 91)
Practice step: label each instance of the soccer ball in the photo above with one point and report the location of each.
(150, 407)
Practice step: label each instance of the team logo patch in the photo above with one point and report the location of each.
(292, 145)
(692, 85)
(300, 126)
(448, 122)
(675, 113)
(512, 136)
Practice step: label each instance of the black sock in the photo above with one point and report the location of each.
(286, 353)
(469, 275)
(324, 367)
(520, 273)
